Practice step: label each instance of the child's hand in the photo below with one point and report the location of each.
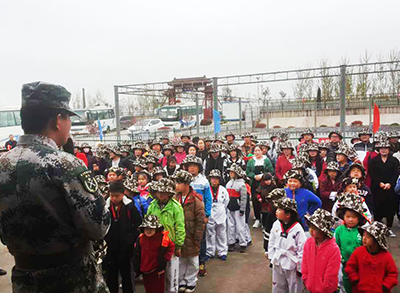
(162, 272)
(266, 255)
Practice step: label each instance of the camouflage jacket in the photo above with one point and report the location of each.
(48, 201)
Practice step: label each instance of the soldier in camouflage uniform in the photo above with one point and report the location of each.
(50, 206)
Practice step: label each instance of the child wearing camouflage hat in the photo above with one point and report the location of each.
(153, 250)
(285, 248)
(371, 267)
(321, 256)
(347, 236)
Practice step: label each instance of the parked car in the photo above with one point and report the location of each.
(126, 121)
(145, 126)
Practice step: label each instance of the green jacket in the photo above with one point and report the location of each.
(251, 166)
(348, 239)
(172, 218)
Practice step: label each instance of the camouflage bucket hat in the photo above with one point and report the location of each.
(155, 142)
(335, 132)
(355, 137)
(158, 170)
(117, 170)
(230, 133)
(393, 134)
(276, 194)
(208, 139)
(382, 144)
(322, 220)
(139, 146)
(85, 145)
(312, 147)
(215, 173)
(365, 131)
(151, 159)
(348, 180)
(300, 162)
(116, 150)
(237, 170)
(125, 149)
(179, 144)
(264, 143)
(286, 145)
(342, 150)
(168, 147)
(42, 94)
(286, 203)
(332, 166)
(150, 221)
(185, 135)
(182, 176)
(379, 231)
(192, 159)
(166, 185)
(131, 185)
(324, 145)
(234, 147)
(358, 166)
(293, 174)
(145, 172)
(214, 148)
(219, 138)
(308, 131)
(353, 202)
(247, 134)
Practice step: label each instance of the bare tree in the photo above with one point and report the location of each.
(327, 83)
(394, 76)
(77, 101)
(363, 82)
(227, 94)
(282, 94)
(381, 82)
(304, 85)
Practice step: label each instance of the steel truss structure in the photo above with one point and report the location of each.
(160, 89)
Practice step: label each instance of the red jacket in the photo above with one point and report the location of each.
(368, 157)
(320, 266)
(82, 156)
(179, 157)
(371, 272)
(282, 166)
(153, 253)
(325, 189)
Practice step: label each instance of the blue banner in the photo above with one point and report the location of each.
(100, 130)
(217, 121)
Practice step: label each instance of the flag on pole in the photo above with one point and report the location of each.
(217, 121)
(100, 129)
(377, 119)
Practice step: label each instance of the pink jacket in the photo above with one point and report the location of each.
(179, 157)
(320, 266)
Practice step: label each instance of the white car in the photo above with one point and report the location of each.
(146, 125)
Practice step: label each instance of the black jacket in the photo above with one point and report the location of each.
(364, 147)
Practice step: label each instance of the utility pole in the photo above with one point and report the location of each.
(116, 95)
(342, 98)
(197, 116)
(83, 99)
(267, 115)
(215, 95)
(240, 116)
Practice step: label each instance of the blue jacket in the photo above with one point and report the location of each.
(141, 205)
(307, 202)
(201, 185)
(397, 187)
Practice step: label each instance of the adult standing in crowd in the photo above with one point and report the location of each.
(230, 139)
(283, 163)
(335, 138)
(383, 170)
(274, 150)
(364, 145)
(248, 145)
(50, 206)
(202, 151)
(256, 167)
(10, 143)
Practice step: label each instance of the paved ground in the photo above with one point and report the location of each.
(248, 272)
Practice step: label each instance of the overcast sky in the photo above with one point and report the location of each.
(94, 44)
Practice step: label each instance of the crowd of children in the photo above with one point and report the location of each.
(176, 205)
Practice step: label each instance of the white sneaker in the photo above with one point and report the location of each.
(391, 234)
(257, 224)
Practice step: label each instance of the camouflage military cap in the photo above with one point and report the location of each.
(214, 148)
(286, 204)
(286, 145)
(353, 202)
(312, 147)
(192, 159)
(230, 133)
(324, 145)
(365, 131)
(182, 176)
(158, 170)
(293, 174)
(247, 134)
(215, 173)
(150, 221)
(308, 131)
(276, 194)
(131, 184)
(42, 94)
(237, 170)
(322, 220)
(379, 231)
